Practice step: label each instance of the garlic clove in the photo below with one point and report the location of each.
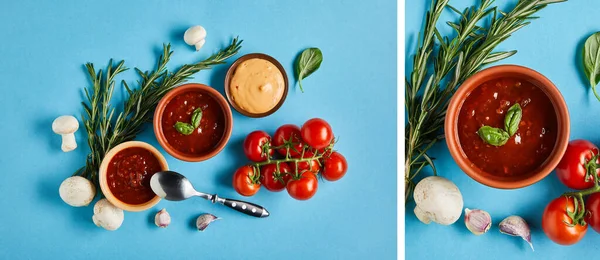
(162, 218)
(204, 220)
(477, 221)
(516, 226)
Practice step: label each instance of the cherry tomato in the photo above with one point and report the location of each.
(555, 219)
(571, 170)
(312, 166)
(285, 133)
(243, 181)
(334, 167)
(593, 207)
(303, 188)
(272, 180)
(317, 133)
(253, 146)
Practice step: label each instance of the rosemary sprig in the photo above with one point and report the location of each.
(138, 108)
(465, 54)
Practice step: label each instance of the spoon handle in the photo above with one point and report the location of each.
(246, 208)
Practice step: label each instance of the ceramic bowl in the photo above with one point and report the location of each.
(103, 179)
(158, 115)
(515, 181)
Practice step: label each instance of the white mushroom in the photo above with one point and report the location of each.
(438, 200)
(66, 126)
(107, 216)
(195, 35)
(77, 191)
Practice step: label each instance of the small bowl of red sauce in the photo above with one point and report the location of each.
(180, 106)
(125, 175)
(532, 151)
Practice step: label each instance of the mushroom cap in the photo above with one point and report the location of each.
(438, 200)
(194, 34)
(77, 191)
(65, 125)
(107, 216)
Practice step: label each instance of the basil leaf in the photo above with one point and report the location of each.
(591, 61)
(184, 128)
(196, 117)
(512, 119)
(307, 63)
(493, 136)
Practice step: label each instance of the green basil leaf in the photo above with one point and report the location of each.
(307, 63)
(493, 136)
(591, 60)
(196, 117)
(184, 128)
(512, 119)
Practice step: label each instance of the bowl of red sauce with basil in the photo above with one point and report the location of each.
(507, 126)
(125, 174)
(193, 122)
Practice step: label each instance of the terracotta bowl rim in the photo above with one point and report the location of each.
(104, 183)
(229, 75)
(160, 108)
(560, 108)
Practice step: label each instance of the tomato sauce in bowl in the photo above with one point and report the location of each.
(534, 140)
(212, 127)
(128, 175)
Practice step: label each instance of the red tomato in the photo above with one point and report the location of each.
(253, 146)
(555, 219)
(272, 180)
(287, 133)
(243, 181)
(593, 207)
(571, 170)
(317, 133)
(303, 188)
(334, 167)
(312, 166)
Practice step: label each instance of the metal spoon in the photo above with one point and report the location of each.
(173, 186)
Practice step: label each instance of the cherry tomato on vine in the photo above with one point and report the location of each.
(334, 167)
(312, 166)
(275, 181)
(303, 188)
(558, 226)
(317, 133)
(574, 165)
(244, 181)
(284, 134)
(592, 205)
(253, 146)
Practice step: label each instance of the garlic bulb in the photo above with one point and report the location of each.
(107, 216)
(477, 221)
(516, 226)
(204, 220)
(77, 191)
(162, 218)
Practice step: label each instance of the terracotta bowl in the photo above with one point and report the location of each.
(517, 181)
(103, 180)
(158, 115)
(231, 71)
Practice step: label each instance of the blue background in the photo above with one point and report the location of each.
(551, 45)
(44, 46)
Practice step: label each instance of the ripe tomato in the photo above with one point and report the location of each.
(317, 133)
(303, 188)
(243, 181)
(593, 206)
(284, 134)
(555, 219)
(334, 167)
(312, 166)
(571, 170)
(275, 181)
(253, 146)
